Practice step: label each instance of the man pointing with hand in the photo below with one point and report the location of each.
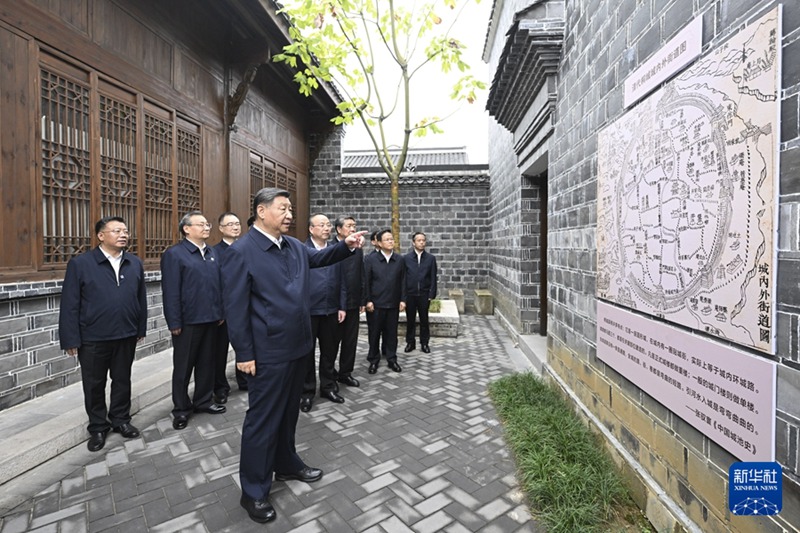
(266, 280)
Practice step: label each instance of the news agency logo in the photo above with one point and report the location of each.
(755, 489)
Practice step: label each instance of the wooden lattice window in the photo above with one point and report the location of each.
(107, 151)
(262, 174)
(158, 188)
(118, 171)
(283, 181)
(66, 177)
(188, 171)
(291, 182)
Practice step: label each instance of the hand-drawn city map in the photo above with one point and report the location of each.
(686, 194)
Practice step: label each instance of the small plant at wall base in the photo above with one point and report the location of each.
(435, 307)
(570, 481)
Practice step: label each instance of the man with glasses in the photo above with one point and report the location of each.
(352, 278)
(103, 315)
(327, 311)
(385, 296)
(191, 286)
(230, 227)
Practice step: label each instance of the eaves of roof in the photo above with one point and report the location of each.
(531, 54)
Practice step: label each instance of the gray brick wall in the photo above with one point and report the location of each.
(31, 361)
(513, 256)
(605, 41)
(452, 216)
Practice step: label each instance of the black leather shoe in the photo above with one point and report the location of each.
(222, 398)
(97, 441)
(128, 431)
(260, 511)
(410, 346)
(426, 349)
(305, 474)
(350, 381)
(373, 368)
(213, 409)
(394, 366)
(332, 396)
(180, 422)
(305, 404)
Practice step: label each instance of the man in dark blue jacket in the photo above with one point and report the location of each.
(353, 281)
(191, 285)
(267, 295)
(385, 296)
(102, 316)
(420, 290)
(327, 311)
(230, 227)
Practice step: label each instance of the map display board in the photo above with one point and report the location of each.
(687, 186)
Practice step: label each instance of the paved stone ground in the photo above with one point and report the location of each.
(420, 451)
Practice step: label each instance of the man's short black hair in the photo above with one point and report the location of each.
(103, 222)
(225, 214)
(341, 219)
(383, 232)
(414, 237)
(266, 196)
(374, 235)
(187, 220)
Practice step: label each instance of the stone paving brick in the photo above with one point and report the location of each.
(162, 482)
(116, 519)
(140, 500)
(416, 451)
(457, 528)
(156, 512)
(311, 513)
(101, 507)
(312, 527)
(73, 524)
(375, 499)
(379, 482)
(179, 523)
(433, 523)
(177, 493)
(51, 518)
(395, 525)
(433, 487)
(370, 518)
(465, 516)
(402, 510)
(16, 523)
(214, 518)
(194, 504)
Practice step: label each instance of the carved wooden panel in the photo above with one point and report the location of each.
(119, 184)
(66, 173)
(188, 171)
(160, 229)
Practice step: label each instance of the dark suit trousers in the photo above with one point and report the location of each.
(97, 360)
(416, 304)
(221, 385)
(324, 328)
(193, 350)
(384, 326)
(268, 443)
(348, 330)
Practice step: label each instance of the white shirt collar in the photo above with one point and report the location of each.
(278, 242)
